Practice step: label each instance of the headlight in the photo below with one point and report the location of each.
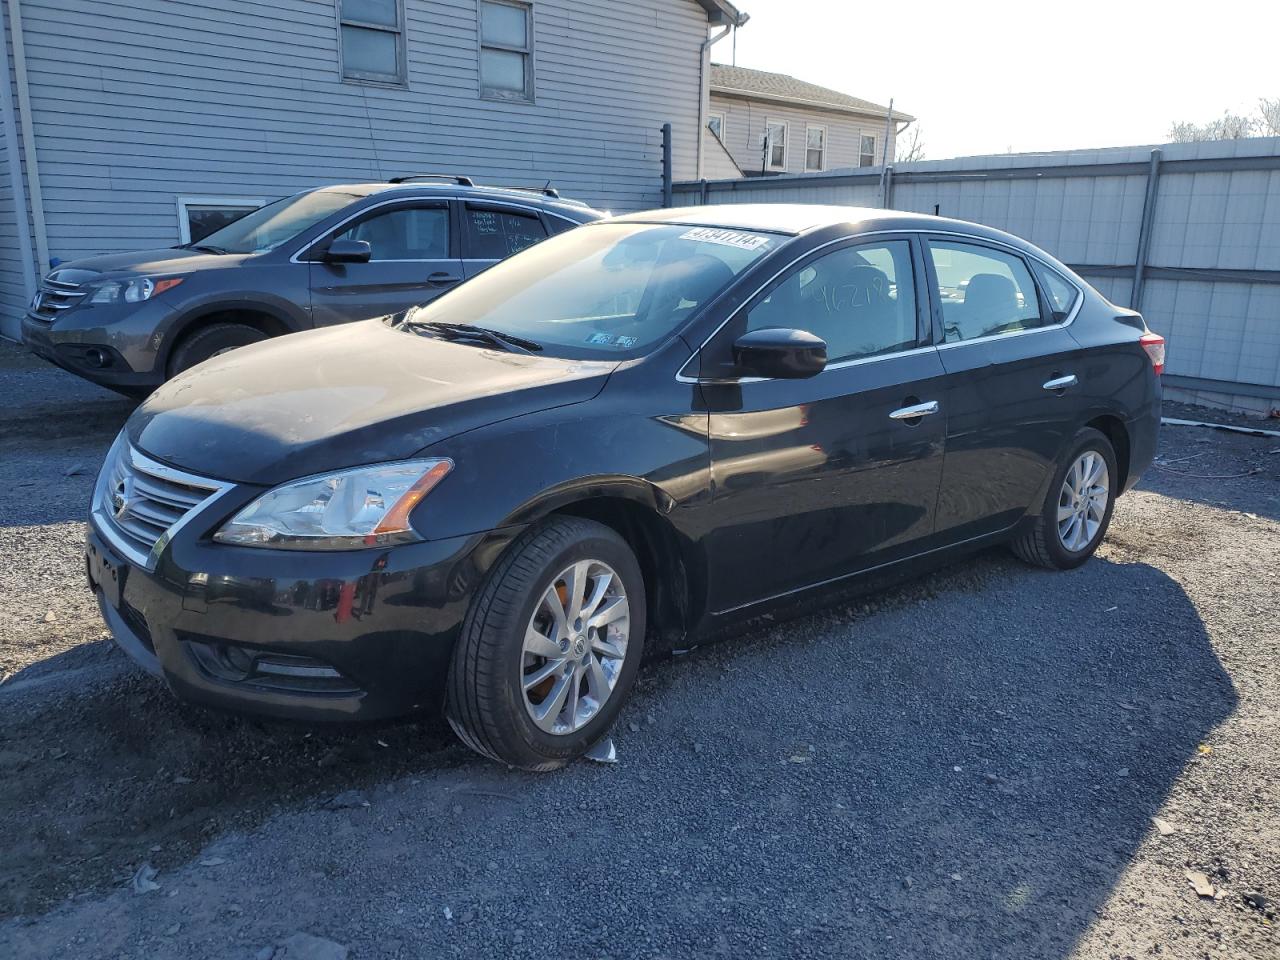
(132, 291)
(347, 510)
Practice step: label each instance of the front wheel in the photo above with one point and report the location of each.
(212, 341)
(1077, 507)
(550, 647)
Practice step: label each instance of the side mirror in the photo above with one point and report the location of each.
(780, 354)
(343, 250)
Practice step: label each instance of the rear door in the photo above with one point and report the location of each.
(415, 257)
(818, 478)
(493, 231)
(1013, 383)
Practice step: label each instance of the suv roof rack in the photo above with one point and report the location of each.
(547, 191)
(453, 177)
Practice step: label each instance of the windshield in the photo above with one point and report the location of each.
(606, 290)
(268, 227)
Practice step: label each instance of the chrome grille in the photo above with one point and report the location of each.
(141, 502)
(57, 293)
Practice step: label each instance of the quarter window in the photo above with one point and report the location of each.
(413, 233)
(859, 299)
(983, 291)
(506, 50)
(1062, 293)
(815, 153)
(497, 234)
(867, 152)
(775, 145)
(372, 40)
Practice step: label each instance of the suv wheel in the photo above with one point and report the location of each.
(550, 647)
(211, 341)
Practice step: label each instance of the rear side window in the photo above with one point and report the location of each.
(497, 234)
(984, 292)
(860, 300)
(412, 233)
(1062, 293)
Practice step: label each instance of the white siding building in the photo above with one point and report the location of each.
(129, 123)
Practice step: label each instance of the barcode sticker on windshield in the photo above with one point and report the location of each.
(729, 238)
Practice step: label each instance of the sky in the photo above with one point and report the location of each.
(993, 77)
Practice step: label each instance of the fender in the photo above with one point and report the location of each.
(633, 489)
(291, 317)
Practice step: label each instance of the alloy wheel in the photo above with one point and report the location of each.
(575, 646)
(1082, 501)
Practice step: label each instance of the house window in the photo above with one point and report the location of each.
(372, 40)
(506, 50)
(200, 216)
(775, 144)
(715, 123)
(815, 151)
(867, 155)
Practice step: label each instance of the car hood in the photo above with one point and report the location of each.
(145, 263)
(344, 396)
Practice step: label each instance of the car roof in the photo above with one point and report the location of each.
(532, 195)
(798, 218)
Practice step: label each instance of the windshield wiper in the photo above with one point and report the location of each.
(207, 248)
(504, 341)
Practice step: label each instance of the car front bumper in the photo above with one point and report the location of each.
(344, 636)
(108, 345)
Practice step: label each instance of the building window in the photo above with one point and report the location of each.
(867, 155)
(372, 40)
(775, 144)
(715, 123)
(815, 151)
(506, 50)
(200, 216)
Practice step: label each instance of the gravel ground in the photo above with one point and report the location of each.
(967, 765)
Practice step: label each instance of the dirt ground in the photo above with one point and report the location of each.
(991, 761)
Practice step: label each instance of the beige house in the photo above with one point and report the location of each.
(759, 124)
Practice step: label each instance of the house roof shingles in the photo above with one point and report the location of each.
(779, 86)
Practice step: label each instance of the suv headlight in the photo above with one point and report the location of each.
(132, 291)
(346, 510)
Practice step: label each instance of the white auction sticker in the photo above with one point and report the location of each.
(729, 238)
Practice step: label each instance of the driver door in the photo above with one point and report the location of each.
(414, 258)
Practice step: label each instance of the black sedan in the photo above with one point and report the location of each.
(616, 442)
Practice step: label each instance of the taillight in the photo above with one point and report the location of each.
(1153, 343)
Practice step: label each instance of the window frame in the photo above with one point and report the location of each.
(723, 117)
(184, 204)
(401, 80)
(786, 136)
(1047, 322)
(530, 70)
(822, 164)
(862, 139)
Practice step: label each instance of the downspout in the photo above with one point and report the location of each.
(704, 89)
(28, 137)
(15, 171)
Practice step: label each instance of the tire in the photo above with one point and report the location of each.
(1044, 544)
(210, 341)
(488, 700)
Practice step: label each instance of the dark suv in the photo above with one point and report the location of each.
(130, 321)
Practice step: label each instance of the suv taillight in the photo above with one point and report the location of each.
(1153, 343)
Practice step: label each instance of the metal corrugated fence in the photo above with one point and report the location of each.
(1187, 233)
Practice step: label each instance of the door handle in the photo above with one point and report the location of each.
(915, 410)
(1061, 383)
(440, 278)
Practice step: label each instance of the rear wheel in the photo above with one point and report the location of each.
(1077, 507)
(550, 647)
(212, 341)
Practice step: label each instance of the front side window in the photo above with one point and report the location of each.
(372, 40)
(506, 50)
(776, 144)
(860, 299)
(406, 233)
(815, 153)
(613, 290)
(984, 292)
(268, 227)
(867, 152)
(1062, 293)
(497, 234)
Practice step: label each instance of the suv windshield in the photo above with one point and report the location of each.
(268, 227)
(613, 289)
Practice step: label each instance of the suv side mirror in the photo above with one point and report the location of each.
(780, 354)
(343, 250)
